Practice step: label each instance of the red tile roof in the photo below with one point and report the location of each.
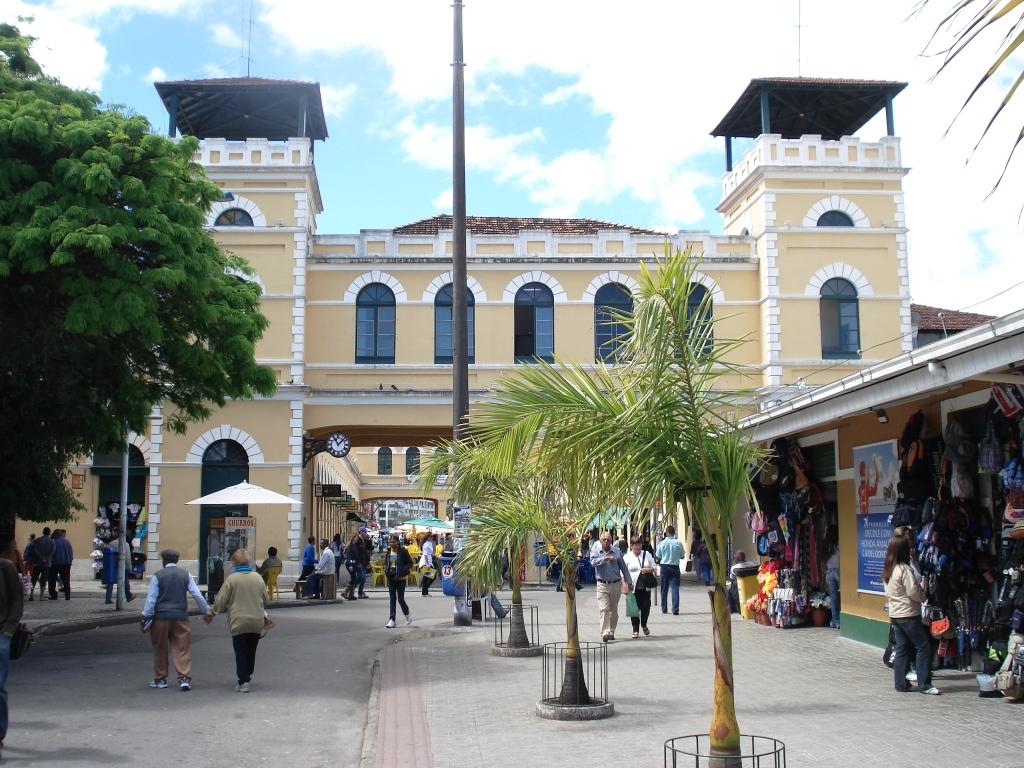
(513, 225)
(927, 318)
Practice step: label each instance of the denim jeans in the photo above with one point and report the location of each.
(359, 581)
(670, 575)
(5, 664)
(832, 580)
(396, 593)
(910, 633)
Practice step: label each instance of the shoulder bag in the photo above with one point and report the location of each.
(645, 580)
(21, 640)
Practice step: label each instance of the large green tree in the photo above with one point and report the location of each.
(113, 296)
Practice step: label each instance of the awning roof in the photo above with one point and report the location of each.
(245, 107)
(807, 105)
(974, 354)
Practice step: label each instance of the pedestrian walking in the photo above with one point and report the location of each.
(244, 597)
(338, 550)
(42, 553)
(357, 557)
(702, 558)
(12, 605)
(641, 569)
(108, 549)
(668, 555)
(905, 592)
(165, 617)
(60, 564)
(427, 570)
(611, 572)
(398, 563)
(26, 556)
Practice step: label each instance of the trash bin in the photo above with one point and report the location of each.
(746, 580)
(450, 585)
(540, 554)
(138, 565)
(585, 571)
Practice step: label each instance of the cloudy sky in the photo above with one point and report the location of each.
(575, 107)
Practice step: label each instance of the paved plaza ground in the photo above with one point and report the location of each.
(334, 688)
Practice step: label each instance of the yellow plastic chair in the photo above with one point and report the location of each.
(379, 577)
(413, 579)
(270, 575)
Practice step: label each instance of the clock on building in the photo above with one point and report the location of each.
(338, 445)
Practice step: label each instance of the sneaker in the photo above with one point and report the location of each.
(160, 682)
(390, 624)
(636, 635)
(912, 677)
(185, 683)
(933, 691)
(408, 620)
(605, 638)
(647, 631)
(243, 687)
(364, 596)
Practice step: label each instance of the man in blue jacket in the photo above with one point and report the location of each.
(60, 564)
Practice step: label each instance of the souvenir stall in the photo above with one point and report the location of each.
(791, 522)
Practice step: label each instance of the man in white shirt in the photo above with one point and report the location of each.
(324, 567)
(427, 561)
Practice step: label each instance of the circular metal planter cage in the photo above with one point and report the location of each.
(505, 644)
(575, 687)
(695, 752)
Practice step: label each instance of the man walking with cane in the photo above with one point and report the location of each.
(611, 572)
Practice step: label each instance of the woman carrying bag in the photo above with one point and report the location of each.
(641, 567)
(903, 589)
(398, 563)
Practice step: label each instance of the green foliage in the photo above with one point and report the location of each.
(113, 297)
(963, 26)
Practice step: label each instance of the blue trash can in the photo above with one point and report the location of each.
(450, 585)
(585, 572)
(540, 554)
(109, 565)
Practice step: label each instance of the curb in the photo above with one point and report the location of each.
(54, 628)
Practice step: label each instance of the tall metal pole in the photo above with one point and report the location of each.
(460, 354)
(122, 541)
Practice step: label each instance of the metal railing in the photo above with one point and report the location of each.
(590, 668)
(695, 752)
(503, 625)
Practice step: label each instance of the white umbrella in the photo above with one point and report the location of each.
(244, 493)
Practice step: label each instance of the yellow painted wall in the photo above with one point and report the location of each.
(277, 339)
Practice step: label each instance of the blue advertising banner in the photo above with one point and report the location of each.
(876, 473)
(873, 534)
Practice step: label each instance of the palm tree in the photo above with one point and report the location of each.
(966, 22)
(660, 422)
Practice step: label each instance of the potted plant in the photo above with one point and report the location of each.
(820, 606)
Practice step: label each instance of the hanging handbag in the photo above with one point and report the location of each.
(645, 580)
(632, 609)
(990, 452)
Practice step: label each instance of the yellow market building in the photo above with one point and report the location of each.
(811, 268)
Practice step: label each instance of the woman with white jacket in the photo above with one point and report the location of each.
(639, 560)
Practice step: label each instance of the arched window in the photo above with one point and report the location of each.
(412, 461)
(700, 315)
(444, 334)
(834, 219)
(225, 463)
(840, 320)
(384, 461)
(610, 303)
(234, 217)
(375, 324)
(534, 323)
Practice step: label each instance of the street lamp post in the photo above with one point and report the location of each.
(122, 540)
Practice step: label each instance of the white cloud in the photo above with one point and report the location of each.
(336, 99)
(155, 75)
(444, 201)
(226, 37)
(66, 48)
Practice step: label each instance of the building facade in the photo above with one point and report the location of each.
(811, 269)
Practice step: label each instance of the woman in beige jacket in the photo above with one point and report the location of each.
(905, 594)
(244, 597)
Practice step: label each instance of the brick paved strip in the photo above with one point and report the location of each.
(403, 740)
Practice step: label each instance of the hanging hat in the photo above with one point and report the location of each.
(960, 447)
(987, 686)
(762, 544)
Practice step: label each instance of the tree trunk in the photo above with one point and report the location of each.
(574, 683)
(724, 731)
(517, 637)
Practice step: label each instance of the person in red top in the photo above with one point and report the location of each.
(865, 489)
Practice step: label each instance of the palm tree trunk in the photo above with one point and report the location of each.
(517, 637)
(574, 683)
(725, 730)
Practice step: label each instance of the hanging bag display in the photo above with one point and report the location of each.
(990, 453)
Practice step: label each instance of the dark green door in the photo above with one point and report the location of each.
(225, 463)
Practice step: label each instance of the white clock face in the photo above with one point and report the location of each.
(338, 444)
